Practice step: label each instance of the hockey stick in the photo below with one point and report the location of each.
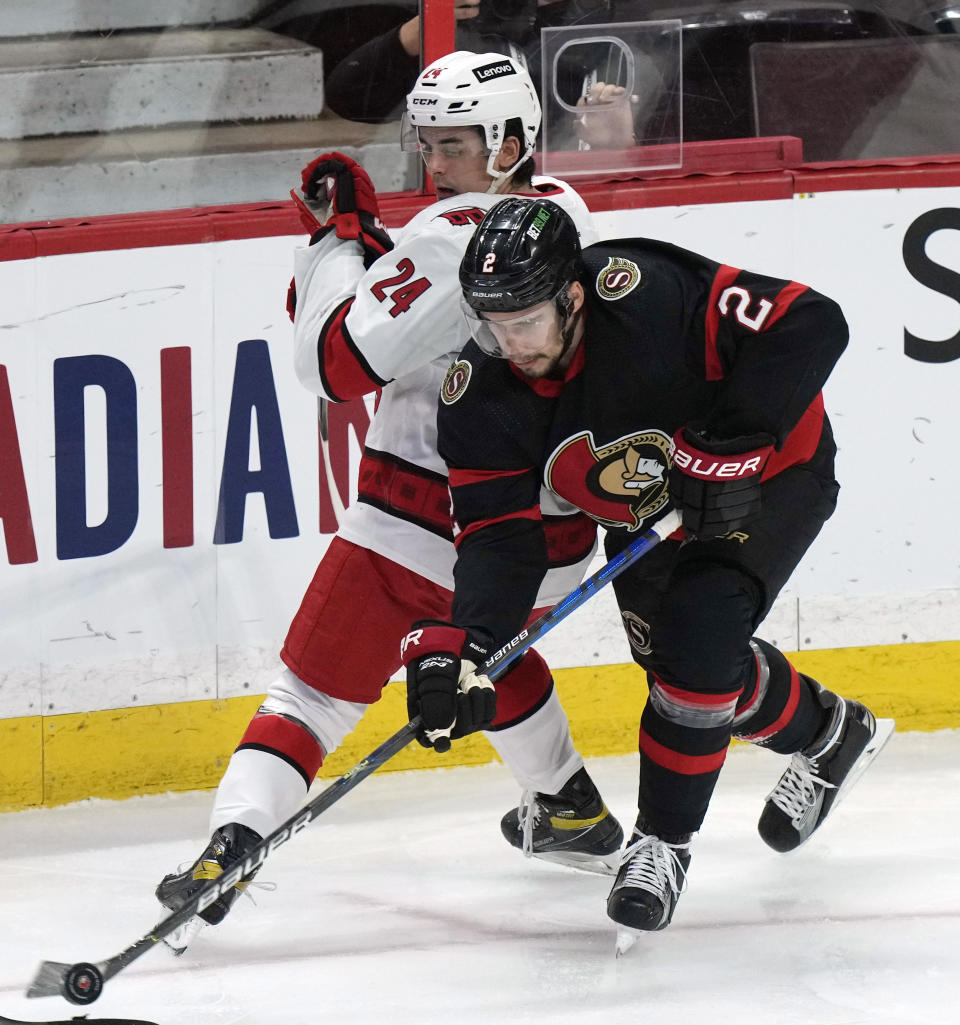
(323, 428)
(83, 982)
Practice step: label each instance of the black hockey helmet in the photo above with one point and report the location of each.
(523, 252)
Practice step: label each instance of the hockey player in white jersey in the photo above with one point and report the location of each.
(381, 315)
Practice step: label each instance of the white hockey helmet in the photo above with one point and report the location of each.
(484, 90)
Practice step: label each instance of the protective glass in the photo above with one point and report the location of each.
(518, 338)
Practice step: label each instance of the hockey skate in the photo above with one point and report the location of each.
(226, 847)
(821, 775)
(572, 828)
(653, 874)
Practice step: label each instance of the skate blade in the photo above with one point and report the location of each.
(881, 735)
(184, 935)
(597, 864)
(626, 940)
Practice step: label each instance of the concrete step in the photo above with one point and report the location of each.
(48, 17)
(174, 168)
(150, 79)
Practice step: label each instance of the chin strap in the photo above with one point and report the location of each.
(500, 176)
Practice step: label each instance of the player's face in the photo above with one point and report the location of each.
(456, 160)
(538, 341)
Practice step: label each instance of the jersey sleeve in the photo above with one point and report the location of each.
(771, 344)
(495, 493)
(356, 330)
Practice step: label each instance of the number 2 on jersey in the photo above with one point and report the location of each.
(399, 289)
(741, 300)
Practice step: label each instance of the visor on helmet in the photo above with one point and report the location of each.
(519, 337)
(467, 143)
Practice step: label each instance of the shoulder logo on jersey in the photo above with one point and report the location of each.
(620, 484)
(618, 278)
(455, 382)
(463, 216)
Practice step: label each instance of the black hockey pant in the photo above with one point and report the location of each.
(690, 610)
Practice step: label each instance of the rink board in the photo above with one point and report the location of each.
(163, 503)
(185, 746)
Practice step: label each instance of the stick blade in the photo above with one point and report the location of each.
(49, 980)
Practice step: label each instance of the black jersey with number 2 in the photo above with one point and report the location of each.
(671, 339)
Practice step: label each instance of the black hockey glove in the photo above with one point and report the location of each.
(715, 484)
(337, 195)
(442, 686)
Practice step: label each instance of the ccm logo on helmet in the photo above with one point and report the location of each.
(419, 101)
(488, 71)
(713, 469)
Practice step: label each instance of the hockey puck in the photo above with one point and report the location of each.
(82, 984)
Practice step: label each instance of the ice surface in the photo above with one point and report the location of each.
(402, 905)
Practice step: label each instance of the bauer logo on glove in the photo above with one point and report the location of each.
(716, 484)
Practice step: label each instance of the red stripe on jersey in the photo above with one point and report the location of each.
(569, 538)
(793, 699)
(724, 278)
(343, 374)
(693, 697)
(783, 301)
(686, 765)
(287, 740)
(524, 514)
(405, 490)
(460, 478)
(801, 442)
(548, 387)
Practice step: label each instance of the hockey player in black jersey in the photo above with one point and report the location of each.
(630, 377)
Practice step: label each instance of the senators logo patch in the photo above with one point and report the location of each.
(455, 382)
(638, 633)
(619, 484)
(617, 279)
